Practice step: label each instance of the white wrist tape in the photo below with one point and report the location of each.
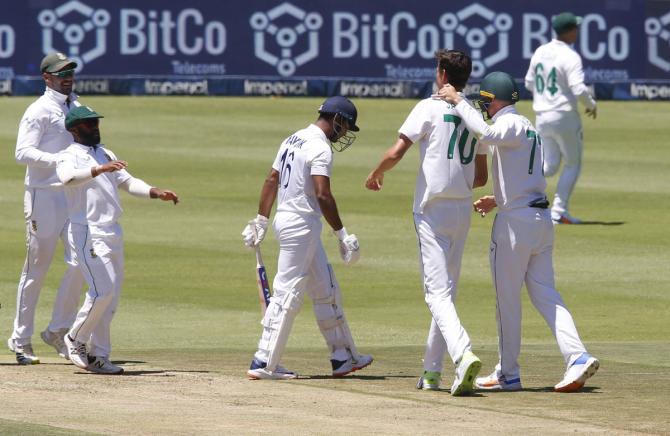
(341, 234)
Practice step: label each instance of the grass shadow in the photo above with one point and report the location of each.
(601, 223)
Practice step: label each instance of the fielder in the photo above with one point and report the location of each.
(451, 164)
(300, 177)
(556, 79)
(522, 239)
(41, 136)
(92, 175)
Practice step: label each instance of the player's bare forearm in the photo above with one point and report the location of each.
(390, 158)
(164, 194)
(327, 201)
(268, 193)
(481, 171)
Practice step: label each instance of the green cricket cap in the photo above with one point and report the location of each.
(79, 114)
(499, 85)
(56, 61)
(565, 21)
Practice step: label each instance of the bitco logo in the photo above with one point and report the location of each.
(83, 30)
(286, 37)
(657, 36)
(73, 33)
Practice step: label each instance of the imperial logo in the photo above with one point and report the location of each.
(658, 35)
(81, 19)
(273, 25)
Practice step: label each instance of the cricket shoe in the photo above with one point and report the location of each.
(24, 353)
(498, 382)
(564, 218)
(344, 367)
(102, 365)
(258, 371)
(466, 371)
(429, 381)
(76, 351)
(55, 339)
(583, 368)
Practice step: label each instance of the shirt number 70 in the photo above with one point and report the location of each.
(462, 142)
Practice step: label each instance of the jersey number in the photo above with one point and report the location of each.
(462, 142)
(536, 140)
(285, 173)
(550, 81)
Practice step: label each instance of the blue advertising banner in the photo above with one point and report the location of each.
(392, 40)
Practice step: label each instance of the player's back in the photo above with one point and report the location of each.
(554, 68)
(447, 152)
(517, 165)
(300, 156)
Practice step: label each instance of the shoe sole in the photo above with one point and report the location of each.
(499, 387)
(467, 384)
(578, 384)
(353, 369)
(252, 376)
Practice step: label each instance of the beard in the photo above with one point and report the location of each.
(89, 138)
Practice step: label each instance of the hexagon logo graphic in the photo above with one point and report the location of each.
(68, 25)
(657, 36)
(287, 25)
(489, 26)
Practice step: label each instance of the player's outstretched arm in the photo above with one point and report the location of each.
(391, 157)
(164, 194)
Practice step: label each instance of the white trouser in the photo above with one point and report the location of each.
(441, 230)
(562, 136)
(302, 267)
(521, 251)
(99, 255)
(45, 211)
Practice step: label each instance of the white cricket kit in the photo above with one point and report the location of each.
(442, 211)
(94, 209)
(522, 237)
(41, 136)
(556, 78)
(302, 265)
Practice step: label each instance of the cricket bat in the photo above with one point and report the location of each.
(262, 281)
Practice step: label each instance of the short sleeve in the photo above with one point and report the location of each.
(276, 165)
(417, 123)
(322, 162)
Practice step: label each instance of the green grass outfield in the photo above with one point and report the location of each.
(189, 299)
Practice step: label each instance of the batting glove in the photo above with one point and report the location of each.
(255, 230)
(349, 248)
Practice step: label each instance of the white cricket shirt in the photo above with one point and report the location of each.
(304, 154)
(556, 78)
(41, 136)
(94, 202)
(517, 155)
(447, 152)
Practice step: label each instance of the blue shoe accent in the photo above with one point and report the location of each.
(581, 359)
(257, 364)
(511, 382)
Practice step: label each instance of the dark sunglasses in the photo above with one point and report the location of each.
(64, 73)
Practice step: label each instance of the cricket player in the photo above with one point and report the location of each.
(300, 178)
(451, 163)
(41, 136)
(522, 239)
(556, 79)
(92, 175)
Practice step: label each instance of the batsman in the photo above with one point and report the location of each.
(300, 180)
